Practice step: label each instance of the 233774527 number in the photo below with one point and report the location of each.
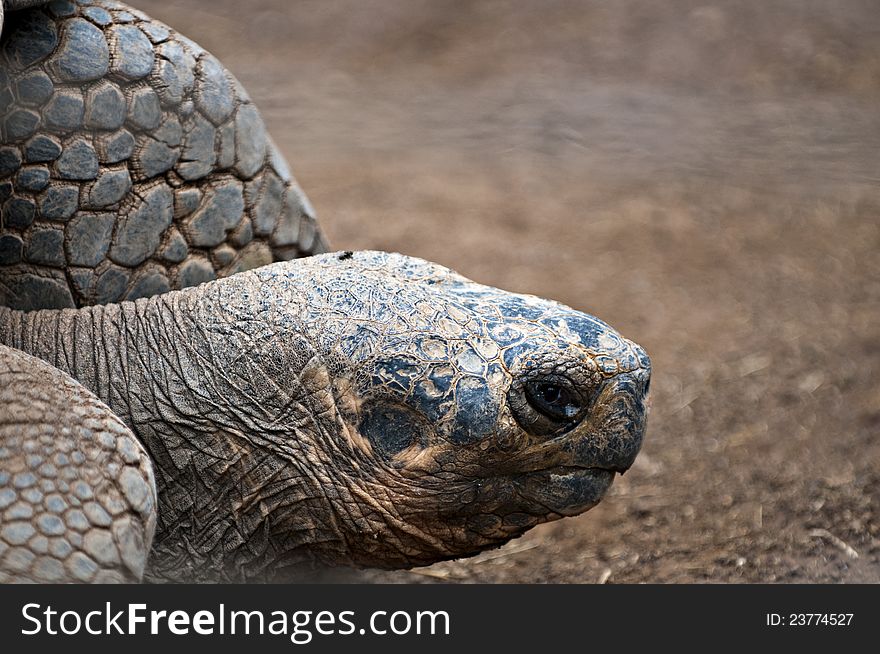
(809, 619)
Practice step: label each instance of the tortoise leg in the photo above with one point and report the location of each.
(77, 494)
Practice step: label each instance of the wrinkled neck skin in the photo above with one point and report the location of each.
(258, 471)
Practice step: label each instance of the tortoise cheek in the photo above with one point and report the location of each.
(392, 428)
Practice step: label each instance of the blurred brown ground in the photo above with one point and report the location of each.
(705, 177)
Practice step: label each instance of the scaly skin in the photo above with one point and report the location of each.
(361, 409)
(77, 496)
(131, 163)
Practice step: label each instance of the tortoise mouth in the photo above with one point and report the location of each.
(566, 490)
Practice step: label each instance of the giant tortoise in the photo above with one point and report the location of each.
(192, 389)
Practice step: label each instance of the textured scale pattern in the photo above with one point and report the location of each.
(77, 496)
(131, 163)
(415, 329)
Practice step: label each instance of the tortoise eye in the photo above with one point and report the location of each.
(553, 400)
(551, 394)
(547, 404)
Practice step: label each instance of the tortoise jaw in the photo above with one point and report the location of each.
(566, 490)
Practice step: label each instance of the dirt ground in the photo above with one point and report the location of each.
(705, 177)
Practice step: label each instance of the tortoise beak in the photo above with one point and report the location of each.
(566, 490)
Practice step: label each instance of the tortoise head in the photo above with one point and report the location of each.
(467, 414)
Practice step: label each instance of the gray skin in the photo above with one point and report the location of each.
(364, 409)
